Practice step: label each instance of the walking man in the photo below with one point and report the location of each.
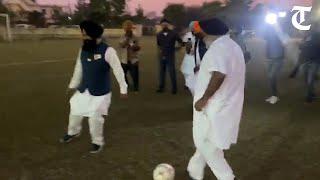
(218, 102)
(275, 54)
(166, 41)
(91, 83)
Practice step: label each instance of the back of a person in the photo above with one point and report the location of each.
(275, 48)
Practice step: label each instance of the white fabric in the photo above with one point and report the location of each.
(223, 112)
(95, 127)
(209, 154)
(188, 63)
(188, 36)
(85, 104)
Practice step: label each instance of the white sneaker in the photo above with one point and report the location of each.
(273, 100)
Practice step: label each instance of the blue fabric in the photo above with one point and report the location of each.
(95, 72)
(202, 48)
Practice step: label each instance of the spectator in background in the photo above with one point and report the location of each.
(166, 41)
(188, 63)
(311, 50)
(275, 53)
(130, 48)
(237, 35)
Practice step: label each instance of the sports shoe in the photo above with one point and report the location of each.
(68, 138)
(273, 100)
(96, 149)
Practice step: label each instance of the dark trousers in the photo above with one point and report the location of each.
(311, 70)
(168, 63)
(274, 68)
(133, 69)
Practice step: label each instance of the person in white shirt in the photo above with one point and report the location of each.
(188, 63)
(91, 85)
(218, 102)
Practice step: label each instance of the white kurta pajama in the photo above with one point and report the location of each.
(188, 64)
(95, 107)
(216, 127)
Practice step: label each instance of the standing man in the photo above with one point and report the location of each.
(218, 101)
(130, 48)
(312, 64)
(91, 83)
(275, 54)
(166, 41)
(188, 63)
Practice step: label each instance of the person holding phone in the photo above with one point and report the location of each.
(130, 48)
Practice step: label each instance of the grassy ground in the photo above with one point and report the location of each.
(278, 142)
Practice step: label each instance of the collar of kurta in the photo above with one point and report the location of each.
(220, 39)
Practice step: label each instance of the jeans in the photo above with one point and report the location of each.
(167, 62)
(274, 69)
(311, 70)
(134, 72)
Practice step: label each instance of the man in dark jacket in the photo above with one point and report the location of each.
(312, 57)
(166, 41)
(275, 54)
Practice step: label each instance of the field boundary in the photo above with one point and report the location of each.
(34, 62)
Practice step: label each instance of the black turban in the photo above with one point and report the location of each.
(214, 27)
(92, 29)
(164, 20)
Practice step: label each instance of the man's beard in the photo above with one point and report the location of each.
(89, 45)
(166, 29)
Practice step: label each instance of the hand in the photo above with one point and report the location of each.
(196, 69)
(123, 96)
(200, 104)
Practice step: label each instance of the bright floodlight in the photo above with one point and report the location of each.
(271, 18)
(282, 14)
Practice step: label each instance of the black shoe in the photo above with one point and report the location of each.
(96, 149)
(68, 138)
(160, 91)
(174, 92)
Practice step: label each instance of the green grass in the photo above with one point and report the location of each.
(278, 142)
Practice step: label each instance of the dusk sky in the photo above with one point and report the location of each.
(157, 6)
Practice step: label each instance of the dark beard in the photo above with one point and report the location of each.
(89, 45)
(166, 29)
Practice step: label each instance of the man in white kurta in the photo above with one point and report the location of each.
(217, 116)
(95, 107)
(188, 63)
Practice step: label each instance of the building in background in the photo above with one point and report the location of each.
(21, 9)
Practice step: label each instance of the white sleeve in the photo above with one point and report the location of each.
(114, 62)
(218, 63)
(77, 74)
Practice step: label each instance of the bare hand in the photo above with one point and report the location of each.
(200, 104)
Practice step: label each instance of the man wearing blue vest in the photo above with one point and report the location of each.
(91, 83)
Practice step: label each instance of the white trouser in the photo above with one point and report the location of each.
(207, 153)
(214, 158)
(95, 126)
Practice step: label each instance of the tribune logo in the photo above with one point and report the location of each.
(300, 17)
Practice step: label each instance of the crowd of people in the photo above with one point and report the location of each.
(214, 68)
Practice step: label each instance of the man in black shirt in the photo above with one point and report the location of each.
(312, 56)
(166, 41)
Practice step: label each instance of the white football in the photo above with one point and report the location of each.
(163, 172)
